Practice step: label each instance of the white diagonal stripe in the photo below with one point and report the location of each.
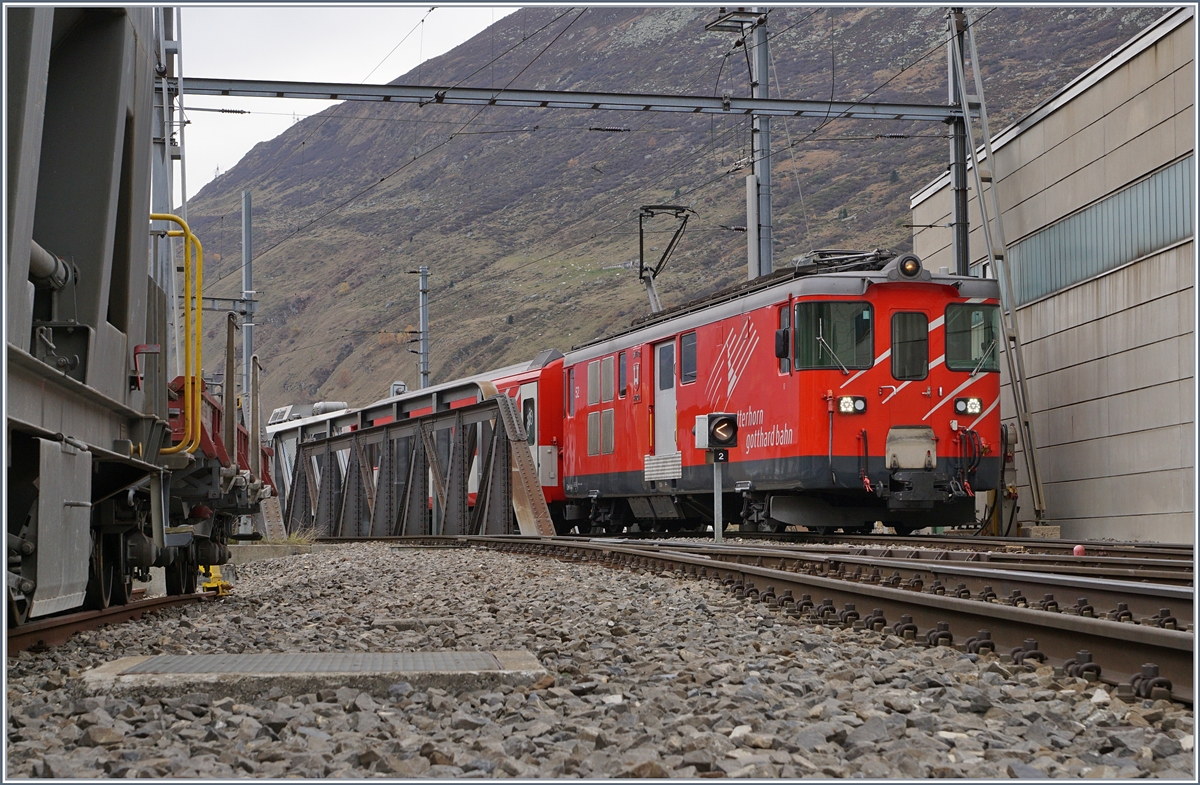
(986, 412)
(741, 368)
(878, 360)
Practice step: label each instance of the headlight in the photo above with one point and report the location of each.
(968, 405)
(852, 404)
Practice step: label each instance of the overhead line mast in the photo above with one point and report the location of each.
(751, 25)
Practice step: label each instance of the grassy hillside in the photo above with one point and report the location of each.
(526, 216)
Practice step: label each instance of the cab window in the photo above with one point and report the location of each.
(910, 346)
(687, 358)
(833, 335)
(972, 337)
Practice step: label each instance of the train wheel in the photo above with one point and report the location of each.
(21, 564)
(181, 578)
(100, 576)
(18, 610)
(114, 556)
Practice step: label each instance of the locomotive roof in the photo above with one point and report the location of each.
(845, 273)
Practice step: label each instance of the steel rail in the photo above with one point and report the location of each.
(54, 630)
(1074, 592)
(1181, 551)
(1090, 564)
(1122, 650)
(1172, 554)
(1170, 570)
(565, 99)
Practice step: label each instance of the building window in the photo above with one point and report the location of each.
(1132, 223)
(833, 335)
(687, 358)
(973, 337)
(910, 346)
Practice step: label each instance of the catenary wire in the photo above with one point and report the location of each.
(395, 171)
(334, 115)
(719, 177)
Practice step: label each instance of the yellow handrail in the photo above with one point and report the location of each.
(193, 321)
(197, 332)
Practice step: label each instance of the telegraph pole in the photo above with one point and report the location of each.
(424, 346)
(247, 297)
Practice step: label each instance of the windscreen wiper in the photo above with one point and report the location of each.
(986, 354)
(821, 340)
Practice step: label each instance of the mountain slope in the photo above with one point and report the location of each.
(525, 216)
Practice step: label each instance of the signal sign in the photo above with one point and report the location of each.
(716, 431)
(722, 431)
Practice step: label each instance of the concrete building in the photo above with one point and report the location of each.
(1097, 191)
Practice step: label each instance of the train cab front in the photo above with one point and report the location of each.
(899, 390)
(942, 400)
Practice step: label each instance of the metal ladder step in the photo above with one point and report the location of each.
(533, 516)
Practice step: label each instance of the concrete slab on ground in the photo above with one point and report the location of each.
(252, 676)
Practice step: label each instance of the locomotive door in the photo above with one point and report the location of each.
(527, 400)
(664, 399)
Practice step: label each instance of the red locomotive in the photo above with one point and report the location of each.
(865, 389)
(880, 402)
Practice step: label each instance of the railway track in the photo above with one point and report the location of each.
(1118, 635)
(1169, 571)
(57, 629)
(950, 542)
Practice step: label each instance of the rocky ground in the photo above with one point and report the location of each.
(654, 676)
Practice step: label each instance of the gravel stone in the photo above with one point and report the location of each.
(650, 675)
(100, 735)
(872, 730)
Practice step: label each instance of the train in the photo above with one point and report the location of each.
(119, 456)
(864, 387)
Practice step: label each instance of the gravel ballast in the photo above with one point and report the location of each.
(653, 676)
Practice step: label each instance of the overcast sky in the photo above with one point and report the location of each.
(319, 44)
